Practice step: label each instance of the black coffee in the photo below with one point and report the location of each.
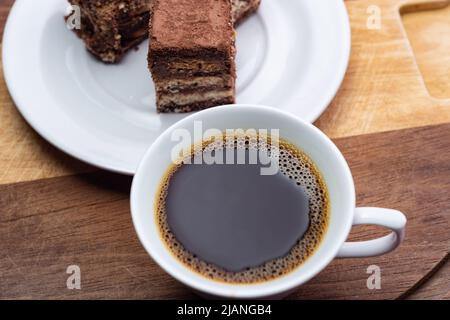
(230, 223)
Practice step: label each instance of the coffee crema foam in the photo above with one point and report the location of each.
(294, 164)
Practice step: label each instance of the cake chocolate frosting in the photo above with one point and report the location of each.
(110, 28)
(193, 67)
(181, 25)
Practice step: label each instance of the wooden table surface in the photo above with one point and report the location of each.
(391, 119)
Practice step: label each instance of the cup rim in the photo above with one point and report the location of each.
(243, 291)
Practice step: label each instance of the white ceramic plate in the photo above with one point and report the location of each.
(293, 55)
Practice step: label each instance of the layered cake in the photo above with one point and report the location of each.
(110, 28)
(192, 54)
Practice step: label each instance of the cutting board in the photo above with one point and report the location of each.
(391, 119)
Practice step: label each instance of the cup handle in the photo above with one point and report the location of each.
(389, 218)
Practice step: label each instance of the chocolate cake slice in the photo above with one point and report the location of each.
(192, 54)
(110, 28)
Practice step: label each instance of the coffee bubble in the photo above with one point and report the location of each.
(295, 165)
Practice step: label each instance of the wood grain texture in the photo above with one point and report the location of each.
(44, 230)
(24, 155)
(396, 170)
(383, 90)
(426, 29)
(435, 287)
(5, 6)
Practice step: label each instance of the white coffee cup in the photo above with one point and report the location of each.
(324, 154)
